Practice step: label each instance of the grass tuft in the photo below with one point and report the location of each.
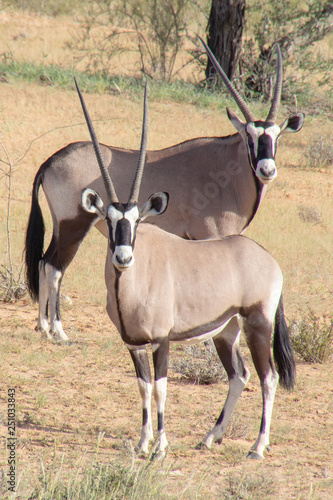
(250, 486)
(133, 479)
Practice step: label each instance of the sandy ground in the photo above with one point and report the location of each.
(70, 397)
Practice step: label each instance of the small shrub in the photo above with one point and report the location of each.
(319, 154)
(200, 364)
(11, 288)
(236, 429)
(312, 337)
(309, 214)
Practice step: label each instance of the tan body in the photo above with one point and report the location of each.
(183, 289)
(210, 194)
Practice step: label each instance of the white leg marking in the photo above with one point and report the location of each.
(53, 276)
(268, 394)
(145, 389)
(160, 392)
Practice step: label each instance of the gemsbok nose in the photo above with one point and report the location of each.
(123, 261)
(266, 170)
(123, 257)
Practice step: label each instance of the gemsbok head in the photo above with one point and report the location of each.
(260, 136)
(215, 185)
(162, 288)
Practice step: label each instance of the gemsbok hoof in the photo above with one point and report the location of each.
(254, 455)
(158, 455)
(141, 453)
(201, 446)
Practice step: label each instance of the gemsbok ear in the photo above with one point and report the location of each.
(156, 205)
(293, 123)
(92, 203)
(237, 123)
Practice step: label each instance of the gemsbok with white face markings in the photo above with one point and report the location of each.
(215, 186)
(168, 289)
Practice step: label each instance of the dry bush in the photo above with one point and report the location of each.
(12, 288)
(312, 337)
(309, 214)
(236, 429)
(200, 364)
(319, 154)
(152, 34)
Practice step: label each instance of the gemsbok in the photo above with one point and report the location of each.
(188, 291)
(215, 186)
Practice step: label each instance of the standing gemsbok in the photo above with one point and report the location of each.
(215, 186)
(187, 291)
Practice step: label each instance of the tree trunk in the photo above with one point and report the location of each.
(225, 29)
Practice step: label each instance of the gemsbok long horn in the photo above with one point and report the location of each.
(278, 87)
(142, 155)
(248, 115)
(110, 190)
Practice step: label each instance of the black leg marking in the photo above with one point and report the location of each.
(141, 364)
(160, 421)
(161, 359)
(142, 369)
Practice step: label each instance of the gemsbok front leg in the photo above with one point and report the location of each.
(142, 369)
(161, 362)
(227, 346)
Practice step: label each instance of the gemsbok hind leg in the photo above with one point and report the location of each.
(43, 322)
(227, 346)
(53, 280)
(141, 364)
(57, 258)
(258, 330)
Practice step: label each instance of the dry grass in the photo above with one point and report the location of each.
(68, 396)
(200, 364)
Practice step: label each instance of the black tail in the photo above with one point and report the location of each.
(283, 353)
(34, 240)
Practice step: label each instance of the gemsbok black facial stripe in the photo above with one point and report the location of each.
(122, 222)
(123, 234)
(265, 148)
